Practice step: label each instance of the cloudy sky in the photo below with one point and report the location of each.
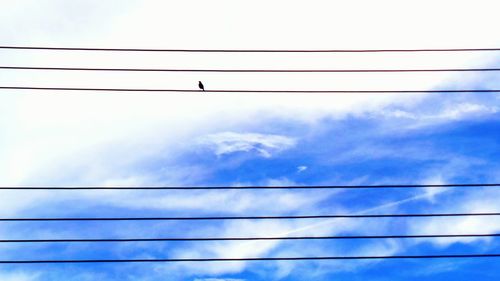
(193, 139)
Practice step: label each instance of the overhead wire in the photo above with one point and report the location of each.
(193, 239)
(346, 216)
(39, 68)
(450, 256)
(241, 90)
(48, 48)
(186, 188)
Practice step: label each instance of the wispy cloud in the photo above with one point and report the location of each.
(478, 201)
(18, 276)
(264, 144)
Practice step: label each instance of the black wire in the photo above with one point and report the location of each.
(245, 238)
(250, 50)
(251, 187)
(252, 217)
(253, 259)
(240, 91)
(244, 70)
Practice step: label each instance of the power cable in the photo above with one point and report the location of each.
(240, 91)
(245, 70)
(244, 238)
(451, 256)
(383, 186)
(250, 50)
(346, 216)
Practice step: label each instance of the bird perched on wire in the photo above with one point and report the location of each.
(200, 85)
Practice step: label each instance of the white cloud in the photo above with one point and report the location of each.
(301, 169)
(479, 201)
(464, 109)
(433, 192)
(264, 144)
(444, 266)
(217, 201)
(18, 276)
(447, 112)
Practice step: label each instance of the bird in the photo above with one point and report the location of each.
(200, 85)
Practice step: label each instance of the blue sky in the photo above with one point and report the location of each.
(125, 139)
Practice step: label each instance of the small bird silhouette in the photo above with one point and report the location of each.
(200, 85)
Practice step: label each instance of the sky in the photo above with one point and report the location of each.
(241, 139)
